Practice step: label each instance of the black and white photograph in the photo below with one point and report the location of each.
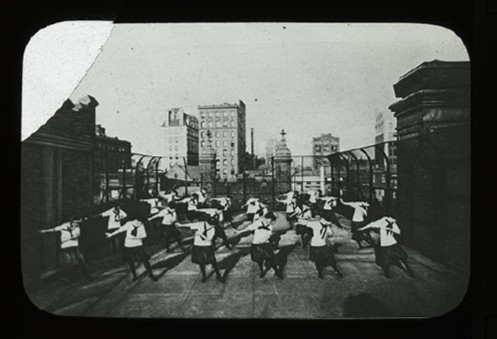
(245, 170)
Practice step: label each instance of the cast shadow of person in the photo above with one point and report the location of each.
(282, 256)
(228, 263)
(169, 263)
(364, 305)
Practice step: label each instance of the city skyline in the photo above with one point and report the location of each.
(334, 75)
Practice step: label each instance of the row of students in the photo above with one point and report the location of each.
(260, 225)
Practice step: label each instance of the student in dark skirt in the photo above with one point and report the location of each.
(301, 229)
(252, 205)
(69, 253)
(320, 251)
(358, 221)
(169, 219)
(203, 249)
(134, 250)
(387, 251)
(217, 220)
(329, 206)
(261, 250)
(225, 203)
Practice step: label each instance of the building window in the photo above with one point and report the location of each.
(218, 134)
(225, 162)
(233, 123)
(225, 152)
(210, 124)
(225, 134)
(203, 124)
(232, 162)
(218, 143)
(232, 134)
(233, 144)
(225, 171)
(218, 124)
(232, 152)
(225, 143)
(232, 114)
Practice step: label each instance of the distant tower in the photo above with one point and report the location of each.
(282, 165)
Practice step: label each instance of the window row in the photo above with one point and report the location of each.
(219, 134)
(218, 124)
(217, 114)
(217, 144)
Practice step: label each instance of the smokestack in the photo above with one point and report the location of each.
(252, 146)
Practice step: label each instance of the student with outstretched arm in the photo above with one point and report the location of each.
(358, 220)
(320, 251)
(387, 251)
(261, 250)
(203, 249)
(133, 245)
(169, 221)
(69, 245)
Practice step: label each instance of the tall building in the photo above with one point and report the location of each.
(385, 130)
(270, 147)
(385, 126)
(226, 122)
(180, 138)
(110, 152)
(323, 146)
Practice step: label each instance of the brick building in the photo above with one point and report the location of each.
(110, 157)
(226, 122)
(322, 146)
(180, 138)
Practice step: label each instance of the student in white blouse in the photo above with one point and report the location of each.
(387, 251)
(133, 245)
(329, 206)
(253, 205)
(303, 214)
(201, 198)
(358, 220)
(217, 219)
(320, 251)
(69, 253)
(225, 203)
(203, 249)
(115, 216)
(169, 219)
(191, 210)
(261, 250)
(290, 207)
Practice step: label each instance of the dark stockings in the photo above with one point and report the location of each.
(216, 271)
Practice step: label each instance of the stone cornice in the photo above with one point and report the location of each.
(431, 98)
(434, 74)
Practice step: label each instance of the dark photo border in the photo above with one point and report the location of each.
(470, 20)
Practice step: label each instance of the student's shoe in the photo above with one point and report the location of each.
(135, 278)
(339, 274)
(154, 278)
(279, 274)
(320, 275)
(387, 275)
(410, 273)
(220, 279)
(204, 279)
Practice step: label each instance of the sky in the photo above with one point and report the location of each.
(308, 79)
